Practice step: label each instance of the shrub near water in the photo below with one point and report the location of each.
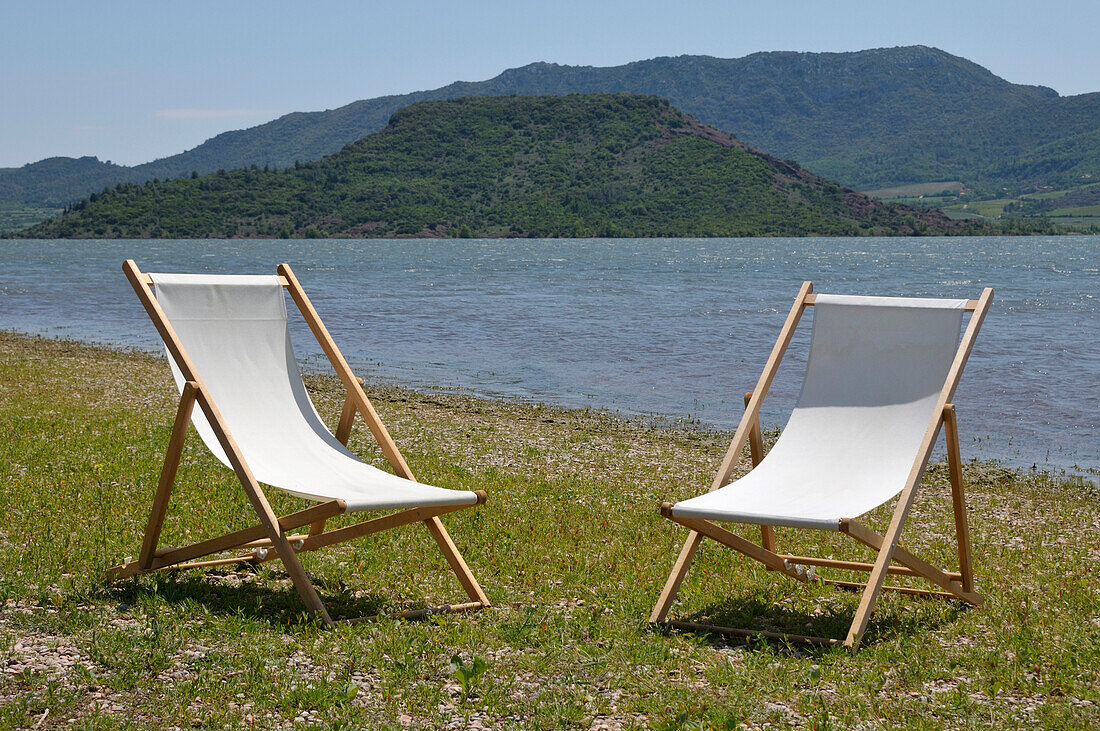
(570, 548)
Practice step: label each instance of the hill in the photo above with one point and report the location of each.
(39, 190)
(870, 119)
(56, 181)
(578, 165)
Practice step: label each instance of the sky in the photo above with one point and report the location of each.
(133, 81)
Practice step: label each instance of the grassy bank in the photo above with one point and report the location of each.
(570, 549)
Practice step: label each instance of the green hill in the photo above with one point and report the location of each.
(56, 181)
(870, 119)
(579, 165)
(39, 190)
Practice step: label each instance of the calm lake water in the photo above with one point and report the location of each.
(674, 327)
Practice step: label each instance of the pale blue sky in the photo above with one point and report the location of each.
(133, 81)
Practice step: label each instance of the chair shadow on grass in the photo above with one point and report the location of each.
(752, 613)
(252, 595)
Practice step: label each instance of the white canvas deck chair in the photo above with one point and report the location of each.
(879, 381)
(230, 352)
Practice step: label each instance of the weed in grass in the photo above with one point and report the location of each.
(469, 674)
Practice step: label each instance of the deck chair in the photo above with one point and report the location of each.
(879, 381)
(229, 350)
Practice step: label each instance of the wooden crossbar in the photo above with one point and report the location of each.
(919, 566)
(416, 515)
(736, 542)
(856, 565)
(970, 306)
(896, 589)
(147, 280)
(956, 585)
(248, 537)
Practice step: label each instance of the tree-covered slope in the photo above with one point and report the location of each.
(578, 165)
(57, 181)
(870, 119)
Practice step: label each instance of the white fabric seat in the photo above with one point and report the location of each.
(234, 329)
(875, 371)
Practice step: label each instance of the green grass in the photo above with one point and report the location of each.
(570, 548)
(1077, 212)
(14, 216)
(992, 208)
(1063, 210)
(918, 190)
(958, 212)
(1061, 192)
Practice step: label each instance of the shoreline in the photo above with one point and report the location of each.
(14, 235)
(317, 367)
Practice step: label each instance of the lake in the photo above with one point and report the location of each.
(678, 328)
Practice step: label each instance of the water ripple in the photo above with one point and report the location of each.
(675, 327)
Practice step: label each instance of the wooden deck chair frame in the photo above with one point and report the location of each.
(271, 538)
(954, 585)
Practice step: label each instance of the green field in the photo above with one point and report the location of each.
(1080, 209)
(917, 190)
(993, 208)
(1054, 194)
(1079, 216)
(14, 216)
(570, 549)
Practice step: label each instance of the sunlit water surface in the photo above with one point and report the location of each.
(673, 327)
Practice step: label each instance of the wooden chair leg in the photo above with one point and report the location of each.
(958, 497)
(454, 558)
(676, 577)
(868, 599)
(168, 474)
(268, 519)
(885, 557)
(749, 423)
(882, 564)
(347, 417)
(756, 452)
(284, 550)
(300, 580)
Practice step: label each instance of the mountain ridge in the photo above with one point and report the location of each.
(869, 119)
